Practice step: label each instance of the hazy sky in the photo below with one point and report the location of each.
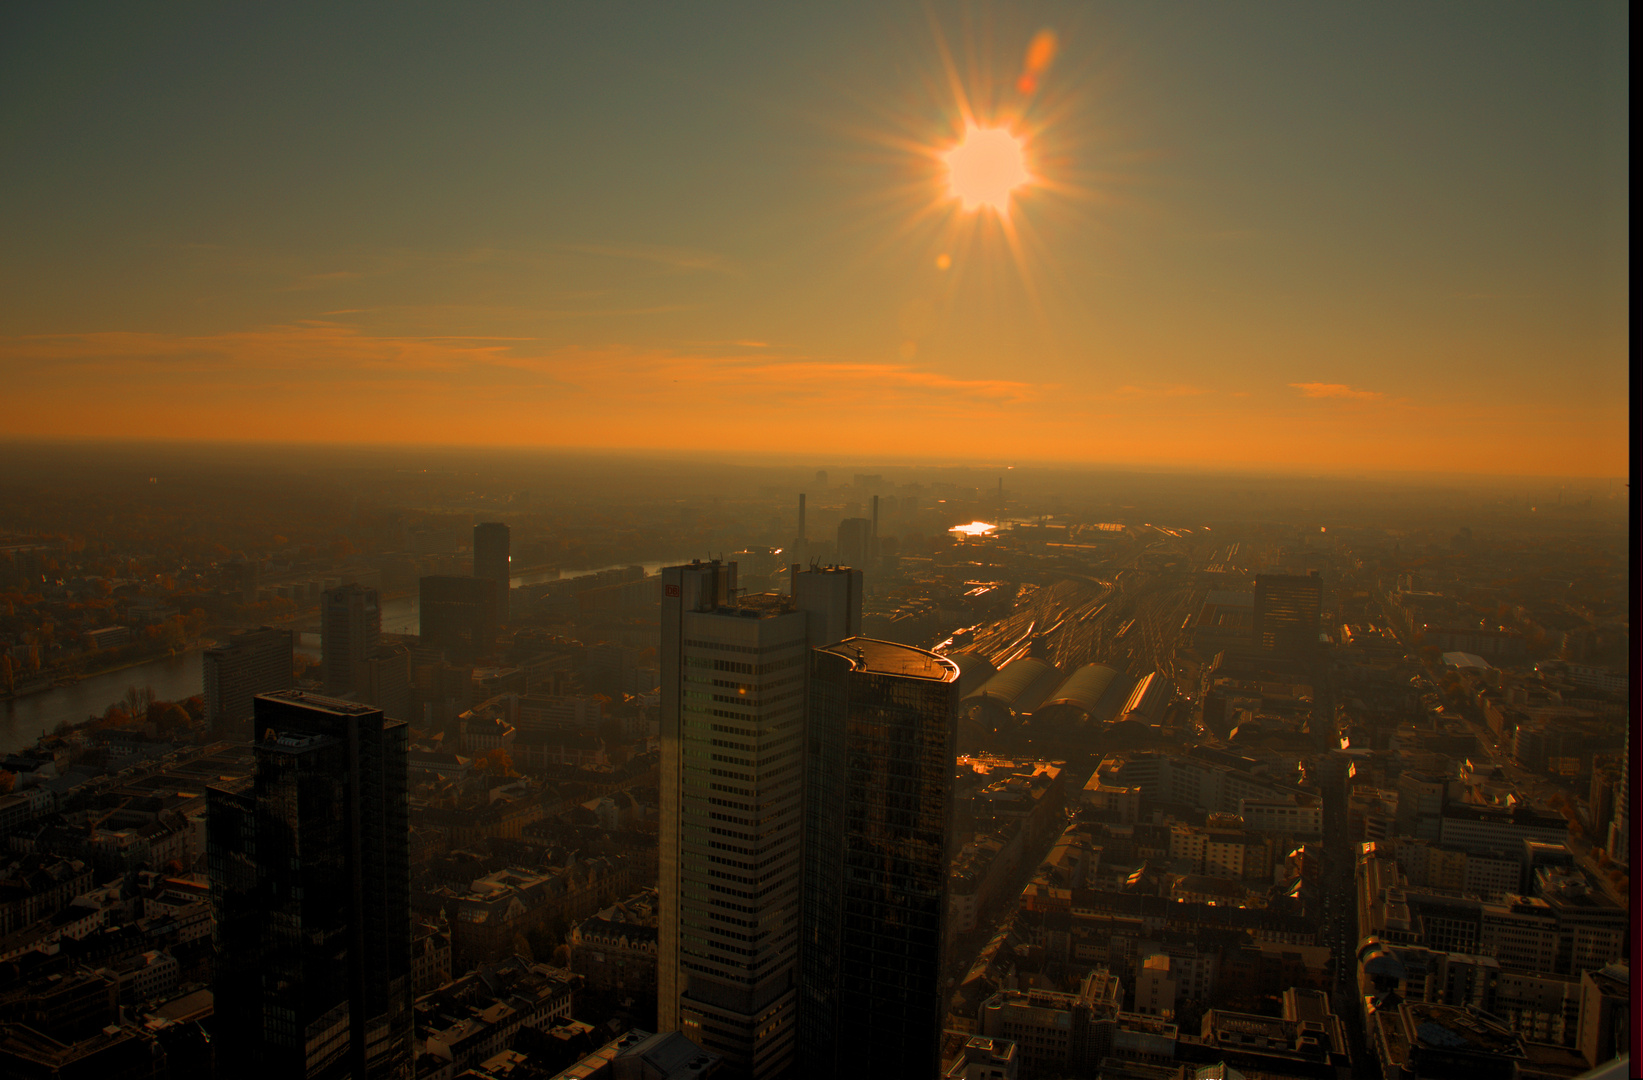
(1293, 235)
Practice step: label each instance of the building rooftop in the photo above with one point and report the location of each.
(1450, 1028)
(1613, 980)
(671, 1055)
(320, 701)
(889, 658)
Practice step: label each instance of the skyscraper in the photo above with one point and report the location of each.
(855, 542)
(492, 562)
(458, 615)
(310, 878)
(1287, 607)
(249, 663)
(877, 827)
(732, 728)
(350, 628)
(383, 679)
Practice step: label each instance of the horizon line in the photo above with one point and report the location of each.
(769, 460)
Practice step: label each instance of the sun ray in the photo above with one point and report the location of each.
(955, 84)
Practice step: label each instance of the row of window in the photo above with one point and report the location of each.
(793, 712)
(722, 647)
(701, 943)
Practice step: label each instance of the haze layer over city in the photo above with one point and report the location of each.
(970, 541)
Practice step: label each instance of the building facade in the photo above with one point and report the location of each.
(492, 562)
(383, 679)
(249, 663)
(877, 837)
(309, 864)
(350, 630)
(732, 748)
(1287, 609)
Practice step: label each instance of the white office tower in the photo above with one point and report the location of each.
(732, 727)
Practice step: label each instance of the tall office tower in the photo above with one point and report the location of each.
(1287, 607)
(384, 680)
(855, 542)
(458, 615)
(492, 562)
(877, 831)
(732, 728)
(801, 542)
(310, 878)
(874, 542)
(249, 663)
(349, 630)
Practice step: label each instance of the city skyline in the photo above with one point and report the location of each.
(1151, 764)
(1388, 240)
(936, 539)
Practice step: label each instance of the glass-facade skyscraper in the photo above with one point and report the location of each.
(493, 562)
(878, 808)
(310, 879)
(733, 670)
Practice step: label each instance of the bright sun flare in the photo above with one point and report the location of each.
(985, 167)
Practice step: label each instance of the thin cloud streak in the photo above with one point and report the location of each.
(312, 381)
(1337, 390)
(327, 355)
(674, 258)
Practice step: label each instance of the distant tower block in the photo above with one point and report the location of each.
(249, 663)
(875, 545)
(350, 627)
(493, 560)
(854, 541)
(1287, 609)
(801, 542)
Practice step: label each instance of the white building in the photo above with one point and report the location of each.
(1288, 816)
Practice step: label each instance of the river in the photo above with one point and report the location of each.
(176, 677)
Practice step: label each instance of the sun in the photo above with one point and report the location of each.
(986, 166)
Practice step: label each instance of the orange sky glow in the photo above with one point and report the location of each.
(761, 234)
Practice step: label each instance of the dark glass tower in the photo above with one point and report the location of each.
(492, 561)
(878, 821)
(310, 876)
